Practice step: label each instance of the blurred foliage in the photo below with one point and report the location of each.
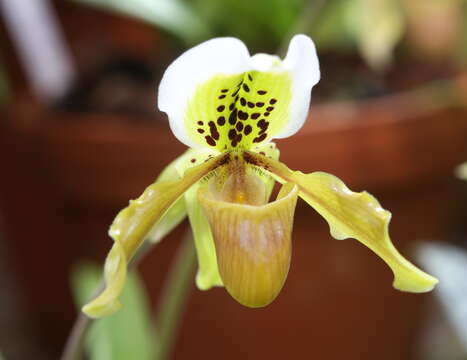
(374, 28)
(174, 16)
(128, 333)
(461, 171)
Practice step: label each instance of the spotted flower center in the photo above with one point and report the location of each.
(239, 111)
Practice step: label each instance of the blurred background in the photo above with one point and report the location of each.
(80, 135)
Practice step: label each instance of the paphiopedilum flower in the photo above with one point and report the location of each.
(227, 107)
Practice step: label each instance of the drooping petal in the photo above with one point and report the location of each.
(132, 226)
(216, 96)
(252, 239)
(115, 275)
(175, 214)
(351, 215)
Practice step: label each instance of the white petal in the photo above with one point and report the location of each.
(220, 56)
(302, 62)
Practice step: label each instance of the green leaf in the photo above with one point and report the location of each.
(125, 335)
(173, 16)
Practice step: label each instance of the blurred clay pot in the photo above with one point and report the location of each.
(66, 175)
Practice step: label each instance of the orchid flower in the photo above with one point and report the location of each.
(227, 107)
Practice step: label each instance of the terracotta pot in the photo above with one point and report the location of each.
(67, 175)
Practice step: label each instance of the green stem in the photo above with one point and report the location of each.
(174, 296)
(172, 302)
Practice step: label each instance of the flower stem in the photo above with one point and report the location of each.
(171, 303)
(174, 296)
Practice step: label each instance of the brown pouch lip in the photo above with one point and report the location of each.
(253, 244)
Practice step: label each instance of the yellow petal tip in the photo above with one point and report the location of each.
(97, 309)
(424, 283)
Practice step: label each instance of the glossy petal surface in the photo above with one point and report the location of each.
(132, 226)
(252, 238)
(352, 215)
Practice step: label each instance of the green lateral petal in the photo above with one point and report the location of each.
(176, 212)
(114, 274)
(352, 215)
(132, 226)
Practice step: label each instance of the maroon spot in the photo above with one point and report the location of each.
(220, 108)
(221, 97)
(224, 90)
(242, 115)
(262, 124)
(270, 108)
(233, 117)
(255, 115)
(249, 77)
(193, 160)
(246, 88)
(234, 143)
(251, 105)
(200, 131)
(259, 138)
(262, 92)
(200, 123)
(259, 104)
(247, 129)
(266, 114)
(239, 137)
(262, 153)
(272, 101)
(239, 126)
(232, 134)
(221, 120)
(242, 101)
(213, 130)
(210, 140)
(236, 92)
(231, 106)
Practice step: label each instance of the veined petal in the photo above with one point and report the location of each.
(351, 215)
(208, 272)
(253, 244)
(216, 96)
(175, 214)
(132, 226)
